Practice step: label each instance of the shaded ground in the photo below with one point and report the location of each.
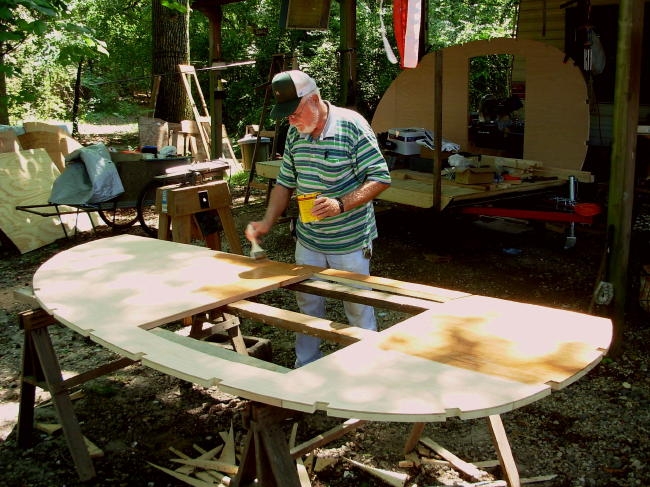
(596, 432)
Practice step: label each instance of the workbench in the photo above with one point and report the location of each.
(457, 355)
(416, 188)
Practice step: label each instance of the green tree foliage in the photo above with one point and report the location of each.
(39, 42)
(251, 31)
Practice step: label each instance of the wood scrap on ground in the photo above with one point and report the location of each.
(471, 470)
(303, 474)
(396, 479)
(467, 468)
(207, 469)
(52, 428)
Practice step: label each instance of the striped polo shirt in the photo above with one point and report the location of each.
(344, 156)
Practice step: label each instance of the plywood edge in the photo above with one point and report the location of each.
(217, 351)
(408, 192)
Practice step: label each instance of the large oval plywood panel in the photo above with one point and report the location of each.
(556, 103)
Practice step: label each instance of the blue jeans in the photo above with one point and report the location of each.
(361, 315)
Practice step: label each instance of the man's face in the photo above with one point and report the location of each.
(305, 118)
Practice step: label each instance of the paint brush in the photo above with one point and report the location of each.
(257, 252)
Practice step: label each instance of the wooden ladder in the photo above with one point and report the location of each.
(202, 116)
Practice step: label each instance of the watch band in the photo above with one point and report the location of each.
(340, 202)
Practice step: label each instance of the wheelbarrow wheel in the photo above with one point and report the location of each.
(147, 214)
(116, 217)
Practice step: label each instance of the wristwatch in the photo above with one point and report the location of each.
(340, 202)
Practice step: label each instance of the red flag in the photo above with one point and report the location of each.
(407, 16)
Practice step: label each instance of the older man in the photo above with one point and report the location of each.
(333, 152)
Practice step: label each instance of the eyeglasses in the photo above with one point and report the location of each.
(300, 109)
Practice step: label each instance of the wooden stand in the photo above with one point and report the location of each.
(41, 368)
(180, 206)
(266, 454)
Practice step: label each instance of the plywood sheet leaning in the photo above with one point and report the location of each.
(9, 141)
(556, 104)
(26, 178)
(56, 143)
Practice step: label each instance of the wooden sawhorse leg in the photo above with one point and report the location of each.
(39, 365)
(501, 445)
(216, 322)
(266, 456)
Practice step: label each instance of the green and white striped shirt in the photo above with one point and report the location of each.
(342, 159)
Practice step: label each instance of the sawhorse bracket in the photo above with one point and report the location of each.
(183, 206)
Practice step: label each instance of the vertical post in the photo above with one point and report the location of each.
(621, 185)
(437, 132)
(348, 52)
(216, 87)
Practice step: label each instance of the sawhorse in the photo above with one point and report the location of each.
(40, 367)
(184, 207)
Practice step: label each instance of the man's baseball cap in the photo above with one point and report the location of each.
(288, 89)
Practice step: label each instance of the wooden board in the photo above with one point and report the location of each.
(466, 356)
(26, 178)
(9, 141)
(556, 108)
(415, 188)
(37, 126)
(57, 144)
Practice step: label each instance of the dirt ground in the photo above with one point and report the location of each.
(595, 432)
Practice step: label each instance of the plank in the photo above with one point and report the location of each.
(209, 465)
(394, 286)
(328, 436)
(9, 141)
(184, 478)
(57, 144)
(300, 323)
(466, 468)
(228, 453)
(504, 453)
(378, 299)
(467, 357)
(396, 479)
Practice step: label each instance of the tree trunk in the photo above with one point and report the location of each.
(77, 96)
(4, 99)
(170, 36)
